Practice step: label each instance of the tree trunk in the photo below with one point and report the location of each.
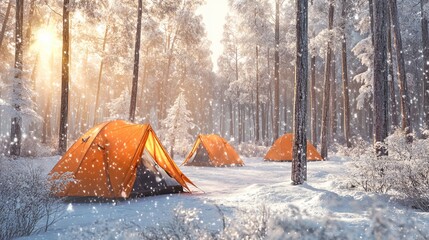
(100, 76)
(299, 163)
(405, 98)
(3, 27)
(392, 97)
(325, 110)
(30, 22)
(257, 96)
(62, 144)
(333, 99)
(276, 110)
(425, 43)
(136, 63)
(231, 119)
(313, 101)
(344, 74)
(371, 17)
(16, 121)
(268, 103)
(263, 121)
(380, 77)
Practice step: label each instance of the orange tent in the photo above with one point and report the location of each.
(212, 150)
(283, 147)
(117, 159)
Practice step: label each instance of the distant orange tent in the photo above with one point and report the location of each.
(214, 151)
(117, 159)
(282, 150)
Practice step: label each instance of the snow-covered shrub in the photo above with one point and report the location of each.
(186, 224)
(247, 224)
(257, 223)
(374, 174)
(292, 223)
(251, 150)
(26, 202)
(359, 147)
(413, 173)
(405, 170)
(384, 226)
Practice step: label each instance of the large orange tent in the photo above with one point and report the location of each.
(282, 150)
(212, 150)
(117, 159)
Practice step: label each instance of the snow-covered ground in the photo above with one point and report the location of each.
(324, 196)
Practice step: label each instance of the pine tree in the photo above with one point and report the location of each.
(176, 127)
(118, 106)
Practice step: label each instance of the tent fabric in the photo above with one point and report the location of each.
(105, 160)
(282, 150)
(212, 150)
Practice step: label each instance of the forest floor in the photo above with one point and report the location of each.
(255, 188)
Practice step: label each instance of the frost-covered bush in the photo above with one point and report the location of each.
(359, 147)
(374, 174)
(26, 202)
(257, 223)
(291, 223)
(186, 224)
(251, 150)
(405, 171)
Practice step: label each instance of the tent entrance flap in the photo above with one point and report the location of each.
(200, 157)
(152, 179)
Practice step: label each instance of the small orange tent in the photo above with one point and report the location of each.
(214, 151)
(282, 150)
(117, 159)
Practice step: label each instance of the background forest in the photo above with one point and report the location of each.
(246, 96)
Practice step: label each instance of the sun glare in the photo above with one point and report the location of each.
(45, 40)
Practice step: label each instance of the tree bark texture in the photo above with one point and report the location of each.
(324, 138)
(345, 79)
(380, 77)
(62, 144)
(16, 121)
(6, 17)
(333, 99)
(313, 100)
(257, 97)
(402, 78)
(299, 162)
(133, 101)
(392, 91)
(276, 110)
(425, 44)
